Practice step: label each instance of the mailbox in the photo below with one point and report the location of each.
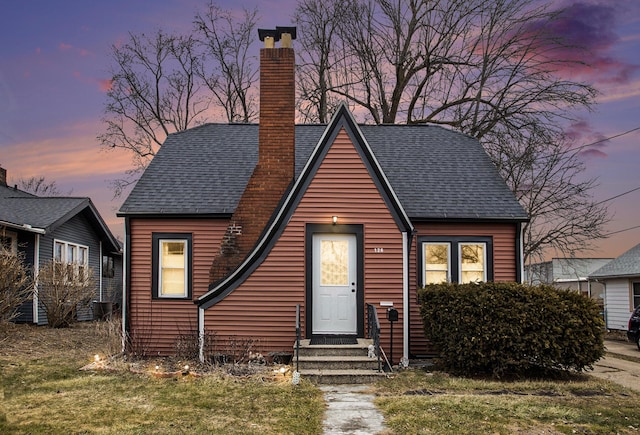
(392, 314)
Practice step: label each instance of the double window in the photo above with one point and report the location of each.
(76, 257)
(171, 265)
(455, 259)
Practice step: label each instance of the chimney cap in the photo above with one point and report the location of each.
(276, 33)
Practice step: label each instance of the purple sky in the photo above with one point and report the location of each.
(54, 59)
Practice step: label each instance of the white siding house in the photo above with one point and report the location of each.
(621, 280)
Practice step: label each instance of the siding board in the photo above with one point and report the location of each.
(263, 307)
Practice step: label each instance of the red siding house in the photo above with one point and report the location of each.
(233, 225)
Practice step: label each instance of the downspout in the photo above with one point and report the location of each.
(125, 281)
(100, 268)
(201, 334)
(520, 253)
(36, 271)
(405, 300)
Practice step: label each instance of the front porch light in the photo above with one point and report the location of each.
(334, 219)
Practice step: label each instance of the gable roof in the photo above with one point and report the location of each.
(341, 119)
(27, 212)
(436, 173)
(628, 264)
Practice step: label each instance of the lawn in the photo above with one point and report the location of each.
(43, 391)
(417, 402)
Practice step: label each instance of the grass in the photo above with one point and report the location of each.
(415, 402)
(44, 392)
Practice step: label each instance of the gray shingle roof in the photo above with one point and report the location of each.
(436, 173)
(40, 212)
(625, 265)
(47, 213)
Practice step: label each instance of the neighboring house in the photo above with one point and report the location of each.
(568, 273)
(67, 229)
(233, 225)
(621, 280)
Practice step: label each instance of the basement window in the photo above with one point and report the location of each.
(172, 265)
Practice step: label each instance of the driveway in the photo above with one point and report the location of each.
(621, 365)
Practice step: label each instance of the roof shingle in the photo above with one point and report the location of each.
(436, 173)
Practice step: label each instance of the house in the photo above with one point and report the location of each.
(621, 280)
(65, 229)
(568, 273)
(232, 226)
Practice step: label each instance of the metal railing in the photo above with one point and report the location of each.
(298, 332)
(373, 331)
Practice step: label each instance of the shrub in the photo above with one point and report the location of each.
(61, 289)
(16, 285)
(511, 329)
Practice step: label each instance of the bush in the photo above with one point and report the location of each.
(61, 289)
(16, 285)
(511, 329)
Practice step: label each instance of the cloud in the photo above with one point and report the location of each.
(590, 26)
(83, 52)
(581, 133)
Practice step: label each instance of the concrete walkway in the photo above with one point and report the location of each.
(351, 410)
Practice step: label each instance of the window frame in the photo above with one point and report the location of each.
(455, 243)
(423, 264)
(635, 286)
(76, 248)
(156, 269)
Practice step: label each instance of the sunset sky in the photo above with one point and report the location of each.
(54, 58)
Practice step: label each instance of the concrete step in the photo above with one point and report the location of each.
(338, 362)
(359, 349)
(336, 377)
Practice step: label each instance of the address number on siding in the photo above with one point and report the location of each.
(378, 250)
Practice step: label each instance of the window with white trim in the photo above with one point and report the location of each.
(437, 262)
(171, 265)
(473, 262)
(75, 256)
(455, 259)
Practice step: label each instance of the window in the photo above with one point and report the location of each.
(437, 267)
(458, 259)
(171, 265)
(76, 257)
(9, 241)
(473, 262)
(108, 267)
(636, 294)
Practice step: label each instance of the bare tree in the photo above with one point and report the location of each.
(318, 58)
(227, 68)
(546, 176)
(41, 187)
(484, 67)
(63, 288)
(154, 92)
(16, 283)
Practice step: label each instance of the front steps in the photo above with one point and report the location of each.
(338, 364)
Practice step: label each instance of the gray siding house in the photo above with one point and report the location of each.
(69, 229)
(621, 280)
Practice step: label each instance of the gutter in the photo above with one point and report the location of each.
(23, 227)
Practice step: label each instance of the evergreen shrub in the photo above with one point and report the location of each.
(504, 329)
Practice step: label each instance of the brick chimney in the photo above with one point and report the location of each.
(275, 170)
(3, 176)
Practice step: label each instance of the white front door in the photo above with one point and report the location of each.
(334, 284)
